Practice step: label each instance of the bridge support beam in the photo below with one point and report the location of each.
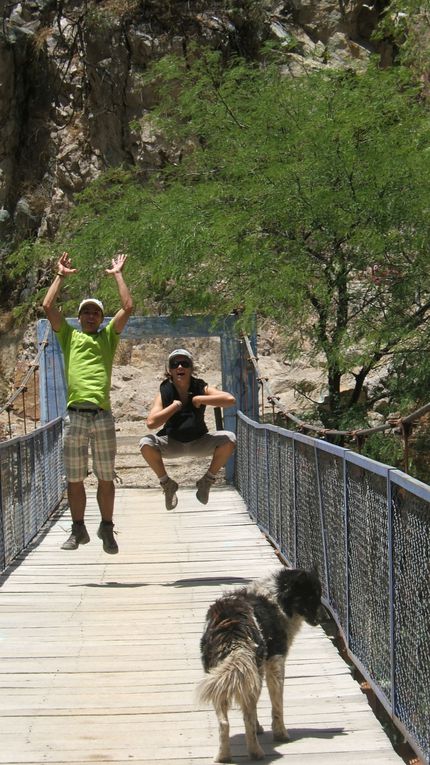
(52, 377)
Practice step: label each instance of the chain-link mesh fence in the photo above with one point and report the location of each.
(31, 486)
(369, 571)
(366, 528)
(411, 596)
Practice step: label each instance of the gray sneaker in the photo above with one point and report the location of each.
(105, 533)
(79, 536)
(204, 486)
(170, 488)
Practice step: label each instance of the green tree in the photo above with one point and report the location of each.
(407, 24)
(305, 199)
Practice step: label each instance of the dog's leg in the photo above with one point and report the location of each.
(275, 668)
(249, 711)
(224, 733)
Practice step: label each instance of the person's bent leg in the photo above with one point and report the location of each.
(220, 456)
(153, 457)
(151, 453)
(155, 461)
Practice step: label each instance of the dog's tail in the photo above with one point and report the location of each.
(237, 679)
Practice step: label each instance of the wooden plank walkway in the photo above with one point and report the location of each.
(99, 655)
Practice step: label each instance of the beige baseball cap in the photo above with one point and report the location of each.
(180, 352)
(91, 301)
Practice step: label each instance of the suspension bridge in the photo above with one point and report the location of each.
(99, 656)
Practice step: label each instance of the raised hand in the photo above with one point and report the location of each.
(118, 263)
(64, 265)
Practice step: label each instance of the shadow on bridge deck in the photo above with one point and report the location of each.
(99, 654)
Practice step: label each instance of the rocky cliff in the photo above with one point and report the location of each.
(72, 98)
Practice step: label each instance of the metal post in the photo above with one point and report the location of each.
(346, 522)
(35, 368)
(391, 588)
(295, 542)
(9, 409)
(323, 529)
(23, 392)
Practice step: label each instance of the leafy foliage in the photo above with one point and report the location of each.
(303, 199)
(386, 448)
(407, 23)
(108, 12)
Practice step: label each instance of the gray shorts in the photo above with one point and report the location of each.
(200, 447)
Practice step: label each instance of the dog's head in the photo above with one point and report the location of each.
(299, 592)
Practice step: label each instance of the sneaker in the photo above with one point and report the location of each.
(170, 487)
(204, 486)
(79, 536)
(105, 533)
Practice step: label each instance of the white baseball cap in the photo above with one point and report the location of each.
(180, 352)
(92, 301)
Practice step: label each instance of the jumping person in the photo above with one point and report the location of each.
(179, 410)
(88, 356)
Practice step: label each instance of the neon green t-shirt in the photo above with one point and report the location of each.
(88, 361)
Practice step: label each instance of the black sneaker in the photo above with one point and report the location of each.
(105, 533)
(79, 536)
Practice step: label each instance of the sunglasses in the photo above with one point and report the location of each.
(175, 363)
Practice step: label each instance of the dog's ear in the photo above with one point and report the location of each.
(303, 577)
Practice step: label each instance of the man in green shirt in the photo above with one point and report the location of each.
(88, 358)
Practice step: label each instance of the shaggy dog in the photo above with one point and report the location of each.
(247, 635)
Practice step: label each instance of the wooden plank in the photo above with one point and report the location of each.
(99, 655)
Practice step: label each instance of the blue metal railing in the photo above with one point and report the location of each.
(31, 486)
(367, 529)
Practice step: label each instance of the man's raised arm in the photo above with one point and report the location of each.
(54, 315)
(121, 317)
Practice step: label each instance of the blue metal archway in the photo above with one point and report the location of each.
(236, 377)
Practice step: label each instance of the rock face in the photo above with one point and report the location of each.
(73, 102)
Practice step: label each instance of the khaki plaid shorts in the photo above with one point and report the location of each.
(84, 429)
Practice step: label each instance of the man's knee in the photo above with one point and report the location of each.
(75, 485)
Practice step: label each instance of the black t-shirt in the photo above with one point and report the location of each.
(188, 423)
